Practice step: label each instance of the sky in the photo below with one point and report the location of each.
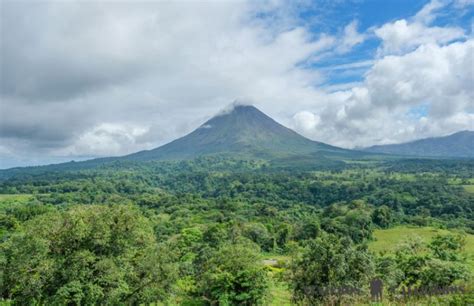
(84, 79)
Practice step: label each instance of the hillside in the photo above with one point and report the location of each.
(244, 130)
(460, 144)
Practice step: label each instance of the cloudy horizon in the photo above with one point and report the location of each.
(85, 79)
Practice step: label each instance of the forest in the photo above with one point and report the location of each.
(224, 231)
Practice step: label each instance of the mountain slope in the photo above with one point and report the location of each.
(243, 131)
(460, 144)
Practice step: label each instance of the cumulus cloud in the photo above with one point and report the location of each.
(402, 36)
(83, 78)
(306, 121)
(380, 110)
(68, 67)
(104, 140)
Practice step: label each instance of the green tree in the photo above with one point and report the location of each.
(259, 234)
(438, 263)
(329, 262)
(382, 216)
(234, 275)
(86, 255)
(447, 247)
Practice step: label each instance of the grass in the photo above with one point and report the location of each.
(467, 184)
(469, 188)
(280, 294)
(388, 239)
(385, 240)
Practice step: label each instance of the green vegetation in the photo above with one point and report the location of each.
(387, 240)
(469, 188)
(86, 255)
(224, 231)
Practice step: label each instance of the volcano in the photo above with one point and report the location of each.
(242, 131)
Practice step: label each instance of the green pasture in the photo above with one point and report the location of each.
(388, 239)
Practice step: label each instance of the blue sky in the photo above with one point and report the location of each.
(83, 79)
(368, 15)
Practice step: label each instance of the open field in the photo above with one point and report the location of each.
(388, 239)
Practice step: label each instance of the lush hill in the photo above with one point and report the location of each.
(243, 130)
(460, 144)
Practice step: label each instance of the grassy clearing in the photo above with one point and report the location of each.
(388, 239)
(280, 294)
(469, 188)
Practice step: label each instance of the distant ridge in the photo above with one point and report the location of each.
(460, 144)
(239, 130)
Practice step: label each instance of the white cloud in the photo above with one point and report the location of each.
(402, 36)
(463, 3)
(350, 38)
(106, 139)
(428, 13)
(110, 78)
(165, 66)
(378, 111)
(306, 121)
(405, 35)
(354, 65)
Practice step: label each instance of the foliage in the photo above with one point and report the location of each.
(233, 275)
(416, 264)
(86, 255)
(329, 262)
(195, 231)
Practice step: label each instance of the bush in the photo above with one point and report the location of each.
(234, 275)
(329, 262)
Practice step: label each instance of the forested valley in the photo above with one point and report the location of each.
(223, 231)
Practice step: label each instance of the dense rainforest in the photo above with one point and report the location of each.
(223, 231)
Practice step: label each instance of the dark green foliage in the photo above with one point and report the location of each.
(233, 275)
(352, 221)
(382, 216)
(194, 231)
(86, 255)
(329, 262)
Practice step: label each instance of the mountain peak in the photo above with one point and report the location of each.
(237, 107)
(238, 129)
